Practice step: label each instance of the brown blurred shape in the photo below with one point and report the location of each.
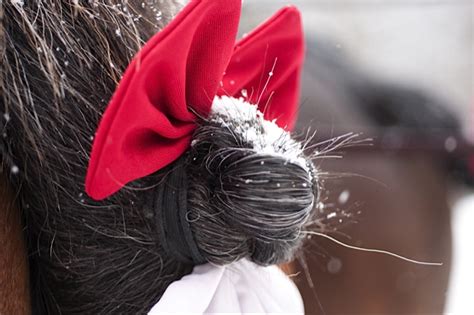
(14, 291)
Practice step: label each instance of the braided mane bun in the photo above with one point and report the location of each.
(251, 188)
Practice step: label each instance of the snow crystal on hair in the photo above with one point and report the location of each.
(249, 124)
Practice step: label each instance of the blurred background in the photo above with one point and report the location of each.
(398, 72)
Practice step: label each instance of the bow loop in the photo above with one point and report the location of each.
(265, 67)
(148, 123)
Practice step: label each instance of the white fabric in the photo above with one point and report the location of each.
(238, 288)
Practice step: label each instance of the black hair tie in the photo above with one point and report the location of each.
(170, 208)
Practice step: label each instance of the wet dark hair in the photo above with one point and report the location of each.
(60, 65)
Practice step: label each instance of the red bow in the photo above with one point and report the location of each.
(148, 123)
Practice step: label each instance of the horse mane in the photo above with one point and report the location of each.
(61, 61)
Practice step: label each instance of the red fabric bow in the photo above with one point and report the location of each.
(149, 122)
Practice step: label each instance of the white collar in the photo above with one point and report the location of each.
(240, 288)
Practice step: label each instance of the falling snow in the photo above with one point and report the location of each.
(334, 265)
(15, 169)
(331, 215)
(344, 197)
(450, 144)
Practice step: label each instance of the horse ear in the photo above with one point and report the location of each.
(148, 123)
(266, 65)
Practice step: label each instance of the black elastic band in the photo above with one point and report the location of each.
(170, 207)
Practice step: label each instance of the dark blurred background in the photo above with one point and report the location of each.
(398, 72)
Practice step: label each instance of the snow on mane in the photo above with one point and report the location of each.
(247, 122)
